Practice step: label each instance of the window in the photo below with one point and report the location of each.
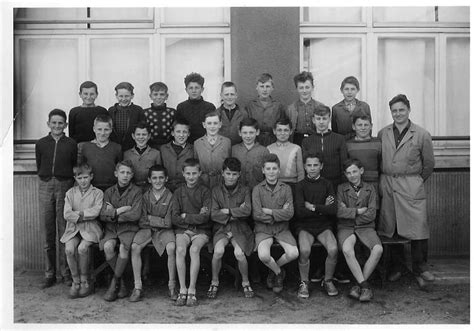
(421, 15)
(333, 15)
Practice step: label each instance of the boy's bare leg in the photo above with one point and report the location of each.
(182, 243)
(71, 248)
(194, 253)
(137, 263)
(171, 252)
(291, 253)
(109, 251)
(265, 256)
(328, 240)
(83, 250)
(305, 241)
(349, 254)
(371, 263)
(219, 251)
(241, 261)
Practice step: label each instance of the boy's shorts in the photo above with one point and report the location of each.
(190, 236)
(159, 238)
(125, 238)
(315, 232)
(367, 236)
(283, 235)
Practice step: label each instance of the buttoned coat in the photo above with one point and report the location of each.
(211, 158)
(404, 169)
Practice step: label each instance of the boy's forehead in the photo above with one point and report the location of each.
(312, 160)
(283, 126)
(157, 173)
(248, 128)
(228, 89)
(57, 118)
(270, 81)
(270, 165)
(123, 167)
(362, 120)
(231, 171)
(211, 118)
(193, 84)
(181, 127)
(352, 167)
(102, 125)
(306, 82)
(191, 169)
(141, 130)
(324, 116)
(123, 91)
(88, 89)
(350, 85)
(160, 91)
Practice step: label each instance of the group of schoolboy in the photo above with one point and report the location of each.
(182, 179)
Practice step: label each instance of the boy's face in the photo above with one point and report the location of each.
(212, 125)
(83, 180)
(321, 122)
(400, 113)
(271, 170)
(194, 90)
(124, 97)
(230, 177)
(264, 90)
(157, 180)
(313, 167)
(102, 131)
(158, 97)
(191, 175)
(180, 134)
(141, 137)
(362, 128)
(229, 96)
(56, 124)
(354, 174)
(124, 175)
(282, 133)
(349, 91)
(248, 134)
(88, 96)
(305, 90)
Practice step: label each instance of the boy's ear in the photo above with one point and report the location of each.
(361, 170)
(353, 126)
(65, 125)
(92, 175)
(258, 132)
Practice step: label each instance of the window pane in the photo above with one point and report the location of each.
(453, 14)
(183, 56)
(48, 71)
(404, 14)
(118, 60)
(332, 14)
(121, 15)
(195, 16)
(50, 14)
(407, 66)
(331, 60)
(457, 86)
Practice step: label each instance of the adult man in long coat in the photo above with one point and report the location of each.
(407, 162)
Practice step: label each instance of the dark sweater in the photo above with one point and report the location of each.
(160, 120)
(194, 111)
(314, 192)
(81, 122)
(369, 152)
(135, 116)
(55, 158)
(333, 148)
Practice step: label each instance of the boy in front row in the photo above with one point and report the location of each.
(315, 208)
(155, 227)
(190, 215)
(272, 204)
(356, 213)
(230, 210)
(121, 211)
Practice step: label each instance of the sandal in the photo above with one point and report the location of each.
(248, 292)
(192, 300)
(212, 292)
(181, 300)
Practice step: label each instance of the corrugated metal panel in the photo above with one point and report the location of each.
(448, 212)
(28, 241)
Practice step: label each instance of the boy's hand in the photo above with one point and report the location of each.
(329, 200)
(286, 205)
(361, 210)
(204, 210)
(123, 209)
(225, 211)
(342, 205)
(268, 211)
(183, 216)
(109, 207)
(242, 205)
(309, 206)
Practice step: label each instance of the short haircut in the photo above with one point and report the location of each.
(248, 121)
(232, 163)
(350, 80)
(271, 158)
(81, 168)
(194, 77)
(125, 163)
(322, 110)
(57, 112)
(228, 84)
(212, 114)
(157, 167)
(360, 114)
(399, 98)
(350, 162)
(103, 119)
(124, 85)
(191, 162)
(181, 121)
(314, 155)
(88, 84)
(303, 77)
(158, 86)
(283, 121)
(141, 125)
(265, 77)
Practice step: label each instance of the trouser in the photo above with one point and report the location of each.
(51, 203)
(419, 256)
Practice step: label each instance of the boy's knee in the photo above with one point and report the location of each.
(171, 248)
(218, 252)
(293, 253)
(70, 251)
(332, 251)
(194, 250)
(83, 249)
(304, 252)
(180, 251)
(264, 257)
(377, 251)
(348, 251)
(109, 248)
(239, 255)
(136, 248)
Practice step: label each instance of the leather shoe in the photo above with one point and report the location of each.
(85, 289)
(394, 276)
(136, 295)
(421, 282)
(67, 280)
(123, 291)
(48, 282)
(111, 294)
(428, 276)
